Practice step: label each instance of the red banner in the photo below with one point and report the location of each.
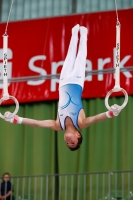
(39, 47)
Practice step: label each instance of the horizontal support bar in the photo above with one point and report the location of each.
(74, 174)
(53, 76)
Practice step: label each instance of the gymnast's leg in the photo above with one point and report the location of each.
(78, 72)
(71, 56)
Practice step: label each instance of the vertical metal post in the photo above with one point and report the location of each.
(12, 180)
(47, 182)
(23, 185)
(41, 188)
(128, 185)
(90, 186)
(65, 187)
(78, 187)
(17, 188)
(122, 185)
(5, 187)
(103, 184)
(35, 180)
(97, 186)
(109, 184)
(116, 182)
(59, 187)
(71, 187)
(84, 186)
(53, 188)
(29, 183)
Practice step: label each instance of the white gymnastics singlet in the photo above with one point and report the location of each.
(70, 104)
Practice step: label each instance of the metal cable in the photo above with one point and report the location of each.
(116, 10)
(53, 76)
(9, 17)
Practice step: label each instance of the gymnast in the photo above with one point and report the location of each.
(71, 116)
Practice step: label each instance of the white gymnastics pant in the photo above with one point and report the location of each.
(73, 70)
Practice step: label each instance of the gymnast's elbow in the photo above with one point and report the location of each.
(88, 121)
(84, 123)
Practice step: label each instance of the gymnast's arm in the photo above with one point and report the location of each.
(93, 119)
(52, 124)
(87, 121)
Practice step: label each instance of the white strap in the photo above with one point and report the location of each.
(5, 80)
(20, 120)
(108, 115)
(117, 64)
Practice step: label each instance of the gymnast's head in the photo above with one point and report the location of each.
(73, 140)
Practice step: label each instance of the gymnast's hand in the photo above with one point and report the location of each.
(6, 116)
(15, 120)
(115, 109)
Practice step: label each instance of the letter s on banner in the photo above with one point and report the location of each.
(39, 70)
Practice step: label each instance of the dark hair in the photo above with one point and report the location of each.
(78, 144)
(4, 175)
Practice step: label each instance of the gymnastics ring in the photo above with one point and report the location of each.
(116, 90)
(17, 106)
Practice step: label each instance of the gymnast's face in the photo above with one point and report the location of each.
(71, 139)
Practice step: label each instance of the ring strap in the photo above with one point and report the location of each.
(5, 81)
(117, 59)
